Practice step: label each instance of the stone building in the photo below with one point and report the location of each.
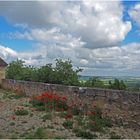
(3, 65)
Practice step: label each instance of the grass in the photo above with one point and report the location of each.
(40, 133)
(84, 134)
(114, 136)
(12, 95)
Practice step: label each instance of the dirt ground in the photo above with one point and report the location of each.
(13, 126)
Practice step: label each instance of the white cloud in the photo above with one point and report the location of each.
(97, 23)
(134, 12)
(30, 58)
(114, 60)
(7, 53)
(87, 32)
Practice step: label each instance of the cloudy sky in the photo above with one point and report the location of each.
(102, 37)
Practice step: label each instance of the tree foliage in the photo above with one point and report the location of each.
(15, 70)
(94, 82)
(117, 84)
(62, 73)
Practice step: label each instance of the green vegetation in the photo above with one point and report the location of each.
(62, 73)
(12, 123)
(68, 124)
(117, 85)
(84, 134)
(94, 82)
(114, 136)
(12, 95)
(21, 111)
(39, 134)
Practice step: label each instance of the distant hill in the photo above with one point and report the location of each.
(130, 81)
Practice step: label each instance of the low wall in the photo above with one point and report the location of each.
(123, 106)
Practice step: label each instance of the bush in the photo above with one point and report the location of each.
(76, 111)
(68, 124)
(21, 111)
(39, 134)
(12, 123)
(107, 121)
(79, 119)
(95, 125)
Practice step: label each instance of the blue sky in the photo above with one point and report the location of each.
(102, 37)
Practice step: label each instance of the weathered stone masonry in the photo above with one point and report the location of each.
(123, 106)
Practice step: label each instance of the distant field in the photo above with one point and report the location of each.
(131, 82)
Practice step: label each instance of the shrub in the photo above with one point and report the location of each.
(12, 123)
(36, 103)
(68, 124)
(95, 125)
(107, 122)
(21, 111)
(76, 111)
(79, 119)
(38, 134)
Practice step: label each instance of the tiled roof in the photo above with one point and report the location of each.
(2, 63)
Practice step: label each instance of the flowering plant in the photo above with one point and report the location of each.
(21, 111)
(50, 101)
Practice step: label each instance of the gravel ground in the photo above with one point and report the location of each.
(13, 126)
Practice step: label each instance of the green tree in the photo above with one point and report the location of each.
(65, 74)
(15, 70)
(117, 84)
(62, 73)
(95, 82)
(45, 74)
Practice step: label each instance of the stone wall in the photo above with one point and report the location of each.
(2, 73)
(123, 106)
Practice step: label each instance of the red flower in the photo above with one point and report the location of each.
(64, 98)
(13, 117)
(86, 114)
(68, 116)
(92, 113)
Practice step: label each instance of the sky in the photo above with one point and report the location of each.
(101, 37)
